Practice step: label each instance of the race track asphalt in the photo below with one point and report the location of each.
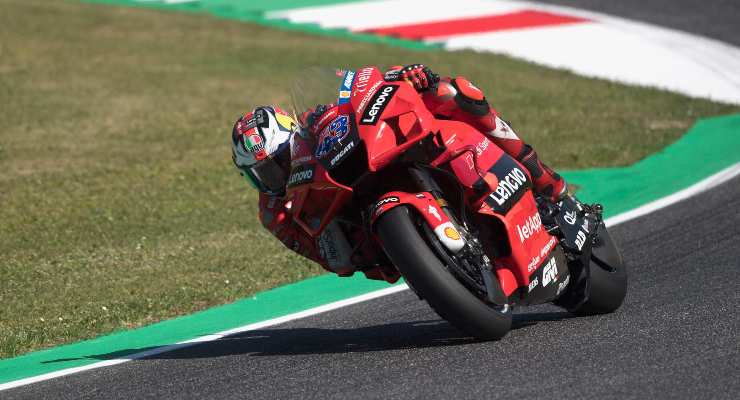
(717, 19)
(674, 337)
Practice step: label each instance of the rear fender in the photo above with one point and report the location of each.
(429, 208)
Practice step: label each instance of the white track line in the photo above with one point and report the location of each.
(704, 185)
(209, 338)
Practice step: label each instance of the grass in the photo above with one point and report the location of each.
(119, 206)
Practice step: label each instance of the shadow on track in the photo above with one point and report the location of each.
(303, 341)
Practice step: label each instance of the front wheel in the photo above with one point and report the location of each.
(608, 277)
(425, 272)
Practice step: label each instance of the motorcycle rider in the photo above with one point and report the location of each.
(260, 150)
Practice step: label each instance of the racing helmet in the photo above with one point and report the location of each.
(261, 148)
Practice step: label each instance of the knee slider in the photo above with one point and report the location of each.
(469, 98)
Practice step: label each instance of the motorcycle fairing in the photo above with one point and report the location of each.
(498, 186)
(314, 196)
(400, 122)
(429, 208)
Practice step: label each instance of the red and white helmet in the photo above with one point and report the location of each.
(261, 148)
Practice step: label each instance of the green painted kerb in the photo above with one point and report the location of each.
(271, 304)
(711, 145)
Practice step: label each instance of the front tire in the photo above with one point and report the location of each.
(412, 256)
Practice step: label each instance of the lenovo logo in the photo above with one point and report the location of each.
(377, 104)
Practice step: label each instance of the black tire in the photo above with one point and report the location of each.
(425, 272)
(608, 276)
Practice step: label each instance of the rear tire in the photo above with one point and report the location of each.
(425, 272)
(608, 277)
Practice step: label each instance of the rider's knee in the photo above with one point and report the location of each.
(469, 97)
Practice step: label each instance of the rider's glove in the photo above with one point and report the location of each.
(418, 75)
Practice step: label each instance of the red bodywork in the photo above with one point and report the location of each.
(489, 176)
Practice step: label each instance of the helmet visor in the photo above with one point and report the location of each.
(267, 176)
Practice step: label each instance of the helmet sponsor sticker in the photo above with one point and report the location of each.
(332, 134)
(377, 105)
(254, 142)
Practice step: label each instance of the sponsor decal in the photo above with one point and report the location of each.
(482, 146)
(301, 175)
(452, 233)
(433, 210)
(332, 134)
(508, 186)
(377, 105)
(453, 244)
(580, 240)
(550, 273)
(393, 75)
(348, 77)
(384, 201)
(369, 93)
(533, 284)
(392, 199)
(562, 285)
(546, 249)
(327, 248)
(346, 90)
(345, 150)
(531, 225)
(254, 143)
(535, 262)
(570, 217)
(581, 235)
(513, 182)
(300, 160)
(331, 113)
(362, 77)
(420, 196)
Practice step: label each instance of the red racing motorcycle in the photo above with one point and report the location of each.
(436, 202)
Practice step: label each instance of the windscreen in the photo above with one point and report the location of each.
(320, 86)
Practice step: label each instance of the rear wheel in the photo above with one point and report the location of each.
(608, 277)
(421, 267)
